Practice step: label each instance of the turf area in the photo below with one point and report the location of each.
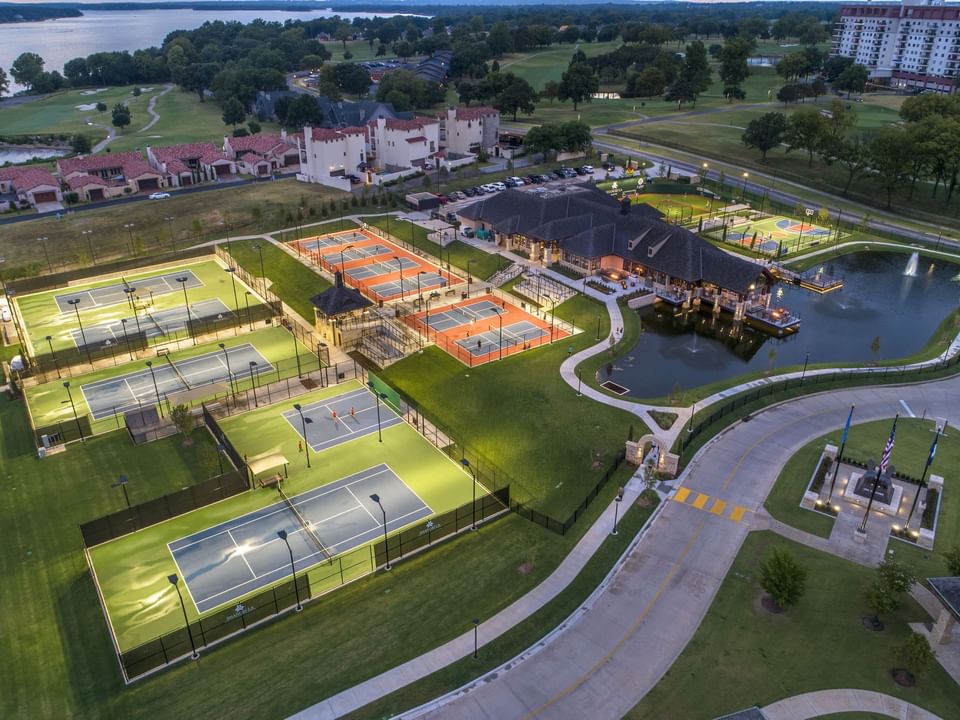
(553, 443)
(775, 235)
(47, 313)
(741, 655)
(48, 401)
(866, 441)
(543, 64)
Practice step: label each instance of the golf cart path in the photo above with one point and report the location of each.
(829, 702)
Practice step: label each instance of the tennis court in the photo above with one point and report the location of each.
(335, 240)
(357, 253)
(775, 235)
(341, 418)
(376, 268)
(117, 293)
(225, 562)
(454, 316)
(403, 287)
(490, 341)
(127, 392)
(152, 324)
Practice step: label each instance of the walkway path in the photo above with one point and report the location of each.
(827, 702)
(151, 108)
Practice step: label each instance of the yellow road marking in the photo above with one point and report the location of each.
(737, 513)
(718, 506)
(682, 495)
(700, 501)
(630, 633)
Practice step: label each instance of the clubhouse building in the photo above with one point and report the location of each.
(591, 233)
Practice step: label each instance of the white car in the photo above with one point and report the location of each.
(159, 195)
(588, 169)
(499, 186)
(489, 187)
(5, 315)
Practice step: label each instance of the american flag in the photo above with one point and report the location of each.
(888, 449)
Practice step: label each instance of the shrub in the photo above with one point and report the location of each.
(783, 577)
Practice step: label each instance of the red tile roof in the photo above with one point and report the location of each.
(252, 158)
(107, 161)
(28, 178)
(261, 143)
(80, 181)
(205, 152)
(418, 123)
(475, 113)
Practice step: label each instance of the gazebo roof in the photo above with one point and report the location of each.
(339, 299)
(948, 590)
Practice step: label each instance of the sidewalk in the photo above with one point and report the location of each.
(829, 702)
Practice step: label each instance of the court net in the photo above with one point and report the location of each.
(176, 370)
(308, 528)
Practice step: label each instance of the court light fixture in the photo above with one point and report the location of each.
(386, 548)
(282, 534)
(175, 581)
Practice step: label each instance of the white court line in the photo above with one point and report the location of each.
(323, 445)
(242, 557)
(130, 390)
(363, 506)
(907, 408)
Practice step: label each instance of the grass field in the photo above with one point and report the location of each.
(44, 317)
(48, 401)
(909, 456)
(743, 656)
(539, 66)
(134, 568)
(195, 218)
(522, 416)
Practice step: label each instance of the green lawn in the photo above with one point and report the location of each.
(543, 64)
(866, 441)
(458, 254)
(743, 656)
(521, 416)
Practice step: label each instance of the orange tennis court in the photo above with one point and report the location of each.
(378, 268)
(485, 328)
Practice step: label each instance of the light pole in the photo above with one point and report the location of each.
(173, 239)
(282, 534)
(703, 175)
(499, 313)
(129, 228)
(400, 267)
(75, 302)
(579, 382)
(804, 373)
(743, 190)
(469, 276)
(476, 626)
(182, 279)
(303, 427)
(253, 384)
(126, 338)
(226, 357)
(43, 243)
(122, 483)
(473, 506)
(233, 282)
(49, 340)
(616, 510)
(342, 250)
(296, 354)
(156, 390)
(379, 397)
(420, 294)
(246, 304)
(598, 327)
(129, 292)
(386, 548)
(86, 234)
(174, 580)
(66, 384)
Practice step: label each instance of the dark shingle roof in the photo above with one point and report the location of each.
(589, 223)
(339, 299)
(948, 590)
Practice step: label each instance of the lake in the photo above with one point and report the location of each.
(21, 155)
(58, 41)
(877, 301)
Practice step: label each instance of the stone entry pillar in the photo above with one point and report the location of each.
(943, 628)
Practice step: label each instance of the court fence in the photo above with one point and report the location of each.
(152, 512)
(325, 577)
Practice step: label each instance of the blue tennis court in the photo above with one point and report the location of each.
(227, 561)
(118, 292)
(386, 267)
(358, 253)
(127, 392)
(395, 288)
(341, 418)
(464, 315)
(513, 335)
(334, 241)
(152, 324)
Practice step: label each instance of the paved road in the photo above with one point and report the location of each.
(606, 663)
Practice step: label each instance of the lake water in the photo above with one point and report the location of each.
(57, 41)
(877, 301)
(18, 155)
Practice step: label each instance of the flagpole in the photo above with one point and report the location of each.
(843, 444)
(881, 468)
(933, 450)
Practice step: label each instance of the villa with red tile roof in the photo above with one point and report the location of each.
(279, 151)
(123, 173)
(396, 144)
(328, 156)
(28, 186)
(191, 164)
(470, 130)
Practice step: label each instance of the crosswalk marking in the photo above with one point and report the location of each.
(715, 506)
(737, 514)
(700, 501)
(718, 506)
(681, 495)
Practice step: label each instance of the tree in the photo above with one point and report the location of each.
(875, 347)
(27, 68)
(101, 107)
(885, 593)
(851, 153)
(578, 83)
(500, 39)
(648, 82)
(515, 95)
(198, 78)
(836, 65)
(403, 50)
(312, 62)
(343, 33)
(551, 90)
(765, 132)
(694, 76)
(733, 61)
(183, 420)
(890, 155)
(791, 66)
(233, 112)
(4, 83)
(80, 144)
(788, 94)
(352, 79)
(916, 654)
(952, 556)
(121, 116)
(805, 131)
(783, 578)
(853, 79)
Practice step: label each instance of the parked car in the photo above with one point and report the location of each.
(467, 232)
(546, 178)
(451, 217)
(459, 195)
(531, 180)
(5, 315)
(518, 181)
(560, 172)
(435, 215)
(354, 180)
(588, 169)
(468, 192)
(443, 199)
(159, 195)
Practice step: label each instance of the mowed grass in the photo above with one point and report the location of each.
(543, 64)
(741, 655)
(866, 441)
(522, 417)
(457, 254)
(196, 218)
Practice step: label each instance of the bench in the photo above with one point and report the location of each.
(271, 481)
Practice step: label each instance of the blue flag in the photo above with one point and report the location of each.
(933, 449)
(846, 428)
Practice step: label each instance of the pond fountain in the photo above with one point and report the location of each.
(912, 265)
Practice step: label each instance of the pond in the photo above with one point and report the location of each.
(881, 313)
(15, 155)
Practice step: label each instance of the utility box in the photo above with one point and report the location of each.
(422, 201)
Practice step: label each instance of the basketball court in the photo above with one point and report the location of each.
(775, 235)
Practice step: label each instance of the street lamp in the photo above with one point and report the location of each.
(246, 303)
(226, 357)
(386, 548)
(342, 250)
(173, 239)
(743, 191)
(400, 267)
(499, 313)
(616, 509)
(129, 292)
(43, 243)
(253, 384)
(379, 397)
(233, 282)
(303, 427)
(282, 534)
(126, 338)
(263, 273)
(804, 373)
(66, 384)
(86, 234)
(469, 276)
(703, 174)
(579, 382)
(420, 294)
(129, 228)
(476, 625)
(473, 505)
(174, 580)
(75, 302)
(122, 483)
(49, 339)
(156, 390)
(182, 279)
